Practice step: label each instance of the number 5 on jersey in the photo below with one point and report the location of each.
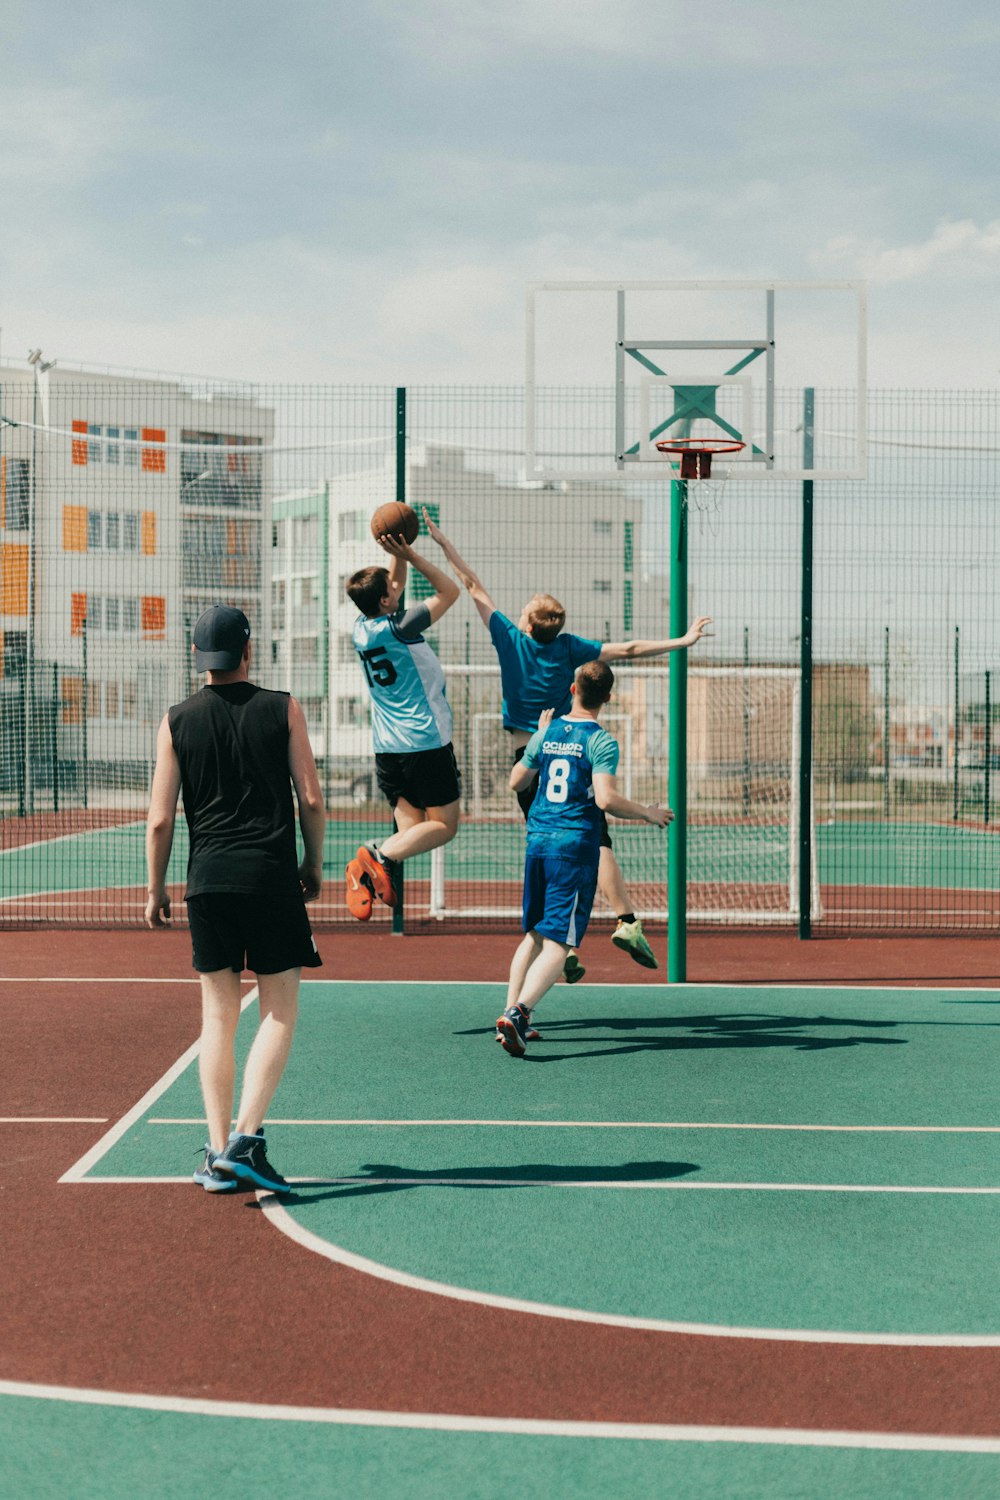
(378, 668)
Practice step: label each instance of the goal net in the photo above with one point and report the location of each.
(744, 817)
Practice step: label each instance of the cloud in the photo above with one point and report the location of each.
(957, 247)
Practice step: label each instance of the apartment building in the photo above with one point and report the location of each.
(127, 505)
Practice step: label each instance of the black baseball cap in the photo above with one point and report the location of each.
(219, 638)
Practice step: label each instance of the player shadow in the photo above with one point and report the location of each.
(748, 1030)
(388, 1178)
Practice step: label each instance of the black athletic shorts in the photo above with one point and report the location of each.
(425, 778)
(527, 797)
(232, 931)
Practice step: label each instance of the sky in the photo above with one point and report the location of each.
(359, 190)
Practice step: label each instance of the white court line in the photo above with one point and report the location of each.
(62, 838)
(93, 979)
(673, 1185)
(53, 1119)
(795, 1437)
(623, 1125)
(78, 1171)
(283, 1221)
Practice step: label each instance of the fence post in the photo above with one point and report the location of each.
(84, 724)
(677, 751)
(988, 754)
(398, 910)
(804, 789)
(885, 726)
(54, 728)
(954, 797)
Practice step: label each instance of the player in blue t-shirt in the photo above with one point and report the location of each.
(574, 761)
(537, 661)
(411, 720)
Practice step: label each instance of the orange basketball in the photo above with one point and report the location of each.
(395, 519)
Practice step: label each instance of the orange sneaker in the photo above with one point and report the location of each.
(379, 872)
(359, 892)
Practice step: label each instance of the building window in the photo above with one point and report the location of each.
(130, 455)
(112, 531)
(114, 446)
(79, 444)
(149, 533)
(305, 648)
(95, 611)
(130, 531)
(130, 700)
(602, 585)
(345, 649)
(14, 578)
(352, 526)
(95, 529)
(154, 615)
(627, 613)
(15, 489)
(604, 528)
(77, 613)
(130, 616)
(111, 700)
(71, 693)
(309, 590)
(629, 546)
(95, 448)
(111, 614)
(93, 700)
(154, 460)
(350, 712)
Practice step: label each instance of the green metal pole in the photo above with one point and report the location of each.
(987, 754)
(886, 747)
(397, 911)
(954, 795)
(677, 748)
(54, 727)
(804, 789)
(85, 728)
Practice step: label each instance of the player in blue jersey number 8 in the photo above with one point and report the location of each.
(574, 761)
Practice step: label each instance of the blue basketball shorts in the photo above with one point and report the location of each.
(558, 896)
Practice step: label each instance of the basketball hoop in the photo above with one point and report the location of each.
(696, 454)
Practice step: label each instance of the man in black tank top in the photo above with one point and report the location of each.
(236, 750)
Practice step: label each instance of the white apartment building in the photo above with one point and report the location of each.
(127, 505)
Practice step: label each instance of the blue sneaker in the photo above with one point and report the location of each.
(211, 1180)
(245, 1160)
(530, 1035)
(512, 1030)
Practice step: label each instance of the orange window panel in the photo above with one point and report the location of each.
(149, 533)
(71, 692)
(154, 615)
(77, 614)
(74, 528)
(154, 460)
(80, 444)
(14, 578)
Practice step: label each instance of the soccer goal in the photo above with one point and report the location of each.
(744, 817)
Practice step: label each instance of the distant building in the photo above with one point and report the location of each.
(127, 505)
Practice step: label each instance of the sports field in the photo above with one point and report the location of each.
(713, 1239)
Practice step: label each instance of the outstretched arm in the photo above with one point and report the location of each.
(480, 598)
(445, 589)
(633, 650)
(609, 799)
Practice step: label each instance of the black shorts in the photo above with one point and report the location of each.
(425, 778)
(232, 931)
(527, 797)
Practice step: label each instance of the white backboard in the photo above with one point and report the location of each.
(778, 365)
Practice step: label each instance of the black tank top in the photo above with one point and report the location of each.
(231, 741)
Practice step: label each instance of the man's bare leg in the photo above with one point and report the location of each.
(220, 1014)
(279, 1008)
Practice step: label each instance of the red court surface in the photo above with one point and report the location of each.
(129, 1287)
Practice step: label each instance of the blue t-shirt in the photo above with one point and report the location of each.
(409, 709)
(536, 675)
(564, 819)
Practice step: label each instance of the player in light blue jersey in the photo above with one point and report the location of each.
(538, 658)
(574, 761)
(411, 720)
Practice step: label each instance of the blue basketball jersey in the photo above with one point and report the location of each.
(564, 817)
(536, 675)
(409, 709)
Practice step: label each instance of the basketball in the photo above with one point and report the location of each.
(394, 519)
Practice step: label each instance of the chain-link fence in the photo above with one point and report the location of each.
(128, 504)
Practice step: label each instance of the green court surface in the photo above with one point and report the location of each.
(798, 1160)
(66, 1450)
(890, 855)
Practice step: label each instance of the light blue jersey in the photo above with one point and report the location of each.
(564, 819)
(409, 709)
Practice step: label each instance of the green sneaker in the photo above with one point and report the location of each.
(629, 935)
(573, 970)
